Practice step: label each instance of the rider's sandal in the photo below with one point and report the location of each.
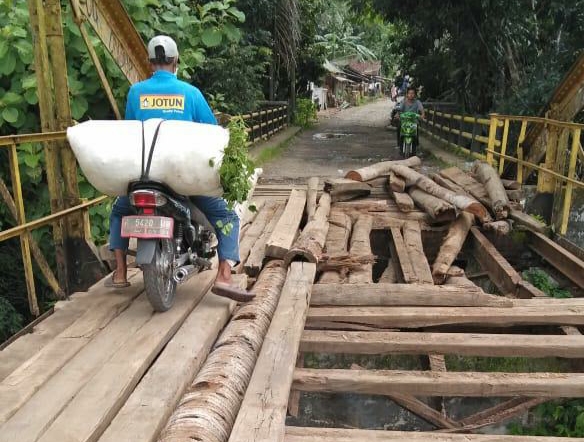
(110, 283)
(231, 292)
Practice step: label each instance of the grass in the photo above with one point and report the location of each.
(272, 152)
(507, 365)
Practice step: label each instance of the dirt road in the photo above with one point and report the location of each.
(343, 140)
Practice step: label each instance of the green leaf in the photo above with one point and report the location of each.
(239, 15)
(211, 37)
(79, 106)
(8, 64)
(31, 97)
(11, 98)
(10, 114)
(32, 160)
(211, 162)
(3, 48)
(29, 82)
(232, 32)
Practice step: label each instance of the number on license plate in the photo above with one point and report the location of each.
(147, 227)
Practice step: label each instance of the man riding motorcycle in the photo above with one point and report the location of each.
(409, 104)
(147, 99)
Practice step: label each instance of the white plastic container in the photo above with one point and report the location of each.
(110, 154)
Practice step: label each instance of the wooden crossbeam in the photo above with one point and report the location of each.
(487, 345)
(423, 383)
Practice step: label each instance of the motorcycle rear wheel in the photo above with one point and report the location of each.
(159, 282)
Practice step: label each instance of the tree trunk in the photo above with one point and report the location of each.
(451, 247)
(404, 201)
(343, 189)
(437, 208)
(360, 246)
(337, 242)
(381, 169)
(495, 189)
(310, 243)
(461, 202)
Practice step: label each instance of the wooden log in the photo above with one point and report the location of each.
(286, 230)
(500, 228)
(89, 413)
(528, 221)
(361, 246)
(255, 261)
(489, 177)
(510, 184)
(344, 261)
(413, 241)
(565, 262)
(337, 241)
(254, 231)
(416, 317)
(462, 202)
(310, 244)
(463, 384)
(396, 183)
(381, 169)
(311, 194)
(154, 399)
(448, 184)
(346, 185)
(208, 409)
(437, 208)
(404, 295)
(463, 344)
(451, 247)
(311, 434)
(262, 415)
(404, 202)
(515, 195)
(399, 251)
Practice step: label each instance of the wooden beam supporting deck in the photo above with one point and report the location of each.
(424, 383)
(414, 343)
(301, 434)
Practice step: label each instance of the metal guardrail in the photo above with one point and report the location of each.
(500, 138)
(261, 125)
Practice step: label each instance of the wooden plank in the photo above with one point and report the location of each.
(286, 230)
(565, 262)
(311, 193)
(361, 246)
(337, 241)
(415, 343)
(22, 383)
(300, 434)
(90, 412)
(254, 231)
(413, 241)
(262, 415)
(294, 398)
(57, 392)
(150, 405)
(451, 247)
(255, 260)
(382, 294)
(404, 202)
(424, 383)
(408, 274)
(528, 221)
(414, 317)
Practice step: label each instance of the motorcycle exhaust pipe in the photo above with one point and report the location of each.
(184, 273)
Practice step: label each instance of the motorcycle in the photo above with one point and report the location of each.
(408, 133)
(175, 239)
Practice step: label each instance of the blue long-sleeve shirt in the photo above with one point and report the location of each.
(165, 96)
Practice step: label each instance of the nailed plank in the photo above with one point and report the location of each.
(424, 383)
(414, 317)
(262, 415)
(57, 392)
(565, 262)
(383, 294)
(415, 343)
(256, 257)
(208, 408)
(286, 230)
(300, 434)
(361, 246)
(413, 241)
(22, 383)
(150, 405)
(90, 412)
(408, 274)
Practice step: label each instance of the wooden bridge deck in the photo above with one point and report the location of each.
(104, 367)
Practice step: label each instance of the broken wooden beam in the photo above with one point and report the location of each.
(286, 230)
(404, 295)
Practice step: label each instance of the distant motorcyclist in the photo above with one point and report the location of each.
(164, 96)
(409, 104)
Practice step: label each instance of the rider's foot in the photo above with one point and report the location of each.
(224, 285)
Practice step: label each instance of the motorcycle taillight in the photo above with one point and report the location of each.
(147, 199)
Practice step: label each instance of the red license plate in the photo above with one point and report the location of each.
(147, 227)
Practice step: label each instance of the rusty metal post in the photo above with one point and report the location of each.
(569, 186)
(504, 146)
(492, 138)
(546, 183)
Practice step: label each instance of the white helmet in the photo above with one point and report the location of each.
(162, 50)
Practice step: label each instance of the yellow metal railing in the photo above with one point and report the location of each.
(500, 138)
(261, 125)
